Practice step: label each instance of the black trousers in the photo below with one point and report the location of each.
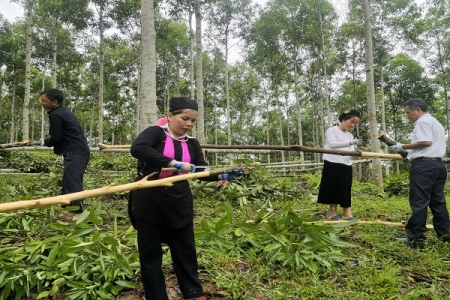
(427, 180)
(74, 168)
(184, 256)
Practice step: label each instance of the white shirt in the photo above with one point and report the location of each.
(338, 140)
(428, 129)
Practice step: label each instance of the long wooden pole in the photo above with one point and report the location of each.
(376, 222)
(287, 148)
(16, 144)
(109, 189)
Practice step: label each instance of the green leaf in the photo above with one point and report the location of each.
(43, 295)
(82, 217)
(126, 284)
(111, 241)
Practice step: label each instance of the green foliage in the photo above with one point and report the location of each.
(112, 162)
(257, 238)
(254, 189)
(282, 240)
(397, 184)
(85, 260)
(28, 162)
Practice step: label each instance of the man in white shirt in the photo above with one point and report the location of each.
(428, 174)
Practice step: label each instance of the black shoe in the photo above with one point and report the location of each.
(416, 243)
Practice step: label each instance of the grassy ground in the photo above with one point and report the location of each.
(378, 267)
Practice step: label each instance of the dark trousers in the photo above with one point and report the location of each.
(184, 256)
(427, 180)
(74, 168)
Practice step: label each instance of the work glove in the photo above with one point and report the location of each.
(231, 175)
(42, 142)
(357, 142)
(182, 166)
(397, 147)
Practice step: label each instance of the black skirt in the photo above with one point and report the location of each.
(336, 184)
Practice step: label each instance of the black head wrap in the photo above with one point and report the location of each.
(181, 103)
(348, 114)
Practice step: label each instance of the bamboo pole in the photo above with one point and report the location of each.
(376, 222)
(16, 144)
(403, 223)
(288, 148)
(144, 183)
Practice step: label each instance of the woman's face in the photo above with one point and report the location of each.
(181, 123)
(349, 124)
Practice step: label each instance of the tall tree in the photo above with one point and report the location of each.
(370, 86)
(147, 90)
(28, 45)
(199, 71)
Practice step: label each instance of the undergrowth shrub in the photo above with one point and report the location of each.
(41, 257)
(30, 162)
(283, 240)
(397, 184)
(112, 161)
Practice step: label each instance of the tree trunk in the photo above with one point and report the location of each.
(13, 108)
(370, 88)
(28, 45)
(191, 55)
(147, 90)
(444, 84)
(299, 109)
(199, 73)
(324, 67)
(227, 94)
(383, 114)
(100, 79)
(55, 50)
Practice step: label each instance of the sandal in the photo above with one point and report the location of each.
(336, 218)
(352, 219)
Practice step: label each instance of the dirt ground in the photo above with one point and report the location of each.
(174, 293)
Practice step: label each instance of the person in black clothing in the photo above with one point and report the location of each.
(68, 140)
(165, 214)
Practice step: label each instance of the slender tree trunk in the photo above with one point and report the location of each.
(28, 45)
(444, 85)
(55, 53)
(100, 79)
(13, 110)
(191, 55)
(2, 82)
(299, 109)
(268, 125)
(43, 111)
(370, 88)
(147, 90)
(91, 125)
(383, 114)
(138, 109)
(199, 73)
(227, 94)
(324, 67)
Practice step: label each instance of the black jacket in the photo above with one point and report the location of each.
(65, 132)
(171, 206)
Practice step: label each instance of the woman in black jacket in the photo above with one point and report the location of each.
(165, 214)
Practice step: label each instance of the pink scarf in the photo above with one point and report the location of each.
(169, 151)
